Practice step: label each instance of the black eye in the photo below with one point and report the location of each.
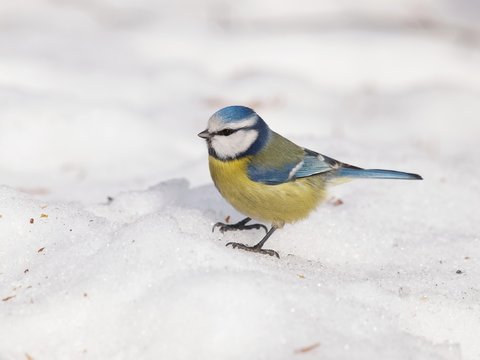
(225, 132)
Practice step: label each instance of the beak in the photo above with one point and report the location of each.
(205, 134)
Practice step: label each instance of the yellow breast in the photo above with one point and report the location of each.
(277, 204)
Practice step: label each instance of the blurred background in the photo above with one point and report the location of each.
(102, 96)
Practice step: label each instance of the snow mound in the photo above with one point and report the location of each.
(142, 276)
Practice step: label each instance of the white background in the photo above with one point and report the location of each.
(103, 99)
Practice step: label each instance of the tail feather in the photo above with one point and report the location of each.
(375, 174)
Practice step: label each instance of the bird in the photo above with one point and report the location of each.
(267, 177)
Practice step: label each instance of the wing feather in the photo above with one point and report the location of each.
(282, 161)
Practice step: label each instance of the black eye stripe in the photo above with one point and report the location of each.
(226, 132)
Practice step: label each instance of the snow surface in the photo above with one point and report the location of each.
(102, 99)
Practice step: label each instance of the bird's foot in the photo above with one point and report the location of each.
(238, 226)
(255, 249)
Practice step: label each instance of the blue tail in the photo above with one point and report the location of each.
(375, 174)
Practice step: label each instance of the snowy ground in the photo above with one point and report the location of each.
(102, 99)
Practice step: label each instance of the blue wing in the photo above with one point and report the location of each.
(314, 163)
(282, 161)
(307, 164)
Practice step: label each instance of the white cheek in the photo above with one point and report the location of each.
(235, 144)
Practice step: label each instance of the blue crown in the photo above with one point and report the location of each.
(234, 113)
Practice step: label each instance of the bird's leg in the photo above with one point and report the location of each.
(241, 225)
(257, 248)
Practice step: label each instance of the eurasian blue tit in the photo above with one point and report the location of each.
(269, 178)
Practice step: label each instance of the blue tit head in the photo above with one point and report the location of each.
(234, 132)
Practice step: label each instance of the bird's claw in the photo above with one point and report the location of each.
(253, 249)
(233, 227)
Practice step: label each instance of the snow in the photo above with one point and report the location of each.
(104, 99)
